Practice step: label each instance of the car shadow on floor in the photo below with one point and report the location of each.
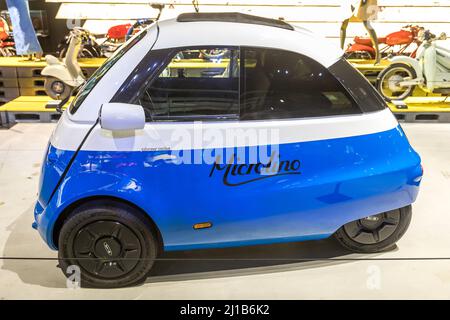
(23, 241)
(229, 262)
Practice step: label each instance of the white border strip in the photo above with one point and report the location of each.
(181, 135)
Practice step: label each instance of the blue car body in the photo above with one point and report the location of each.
(356, 177)
(328, 171)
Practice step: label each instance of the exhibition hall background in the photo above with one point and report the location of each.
(321, 16)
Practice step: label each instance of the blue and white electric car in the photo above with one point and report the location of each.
(221, 130)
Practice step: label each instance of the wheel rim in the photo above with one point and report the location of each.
(373, 229)
(58, 87)
(390, 83)
(107, 249)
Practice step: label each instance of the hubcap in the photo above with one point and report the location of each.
(394, 83)
(108, 249)
(373, 229)
(58, 87)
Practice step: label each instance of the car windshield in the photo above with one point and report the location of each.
(100, 72)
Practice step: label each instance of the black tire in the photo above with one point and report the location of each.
(56, 89)
(112, 243)
(401, 67)
(361, 235)
(87, 51)
(90, 51)
(365, 55)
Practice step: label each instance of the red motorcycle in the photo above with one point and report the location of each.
(117, 35)
(362, 47)
(7, 48)
(114, 39)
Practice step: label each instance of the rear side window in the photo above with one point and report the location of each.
(196, 84)
(359, 87)
(280, 84)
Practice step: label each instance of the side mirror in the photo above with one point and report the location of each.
(122, 116)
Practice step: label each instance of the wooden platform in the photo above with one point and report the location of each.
(423, 109)
(33, 109)
(19, 62)
(28, 109)
(28, 104)
(364, 65)
(424, 104)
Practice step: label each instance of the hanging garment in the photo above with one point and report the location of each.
(359, 10)
(366, 10)
(25, 38)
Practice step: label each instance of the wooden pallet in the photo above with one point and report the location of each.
(423, 109)
(28, 109)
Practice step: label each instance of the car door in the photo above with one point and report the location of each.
(195, 140)
(227, 143)
(202, 165)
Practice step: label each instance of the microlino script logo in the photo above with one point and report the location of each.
(236, 174)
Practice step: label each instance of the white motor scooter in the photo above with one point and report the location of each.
(430, 70)
(62, 77)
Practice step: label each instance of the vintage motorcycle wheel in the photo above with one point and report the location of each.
(388, 81)
(56, 89)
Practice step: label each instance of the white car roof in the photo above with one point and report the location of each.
(198, 33)
(174, 34)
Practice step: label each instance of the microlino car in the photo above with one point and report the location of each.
(219, 130)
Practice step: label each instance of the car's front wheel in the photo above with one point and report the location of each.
(375, 233)
(113, 244)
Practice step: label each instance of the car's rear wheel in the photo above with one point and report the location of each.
(375, 233)
(112, 244)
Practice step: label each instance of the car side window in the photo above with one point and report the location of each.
(196, 84)
(281, 84)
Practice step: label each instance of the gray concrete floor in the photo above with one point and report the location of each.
(271, 272)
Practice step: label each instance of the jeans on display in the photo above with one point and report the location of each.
(25, 38)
